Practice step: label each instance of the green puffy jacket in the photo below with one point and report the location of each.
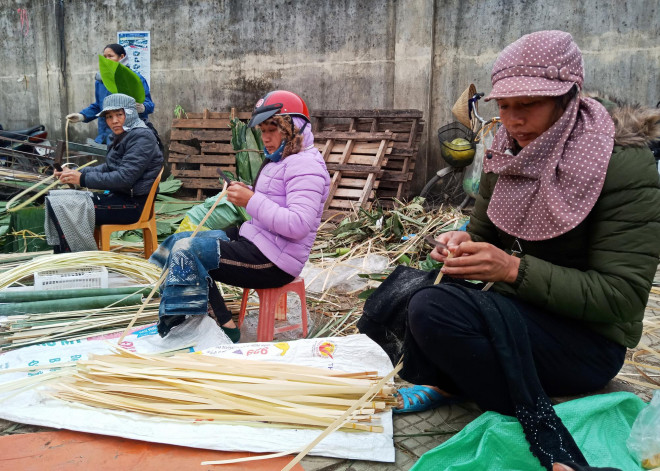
(599, 273)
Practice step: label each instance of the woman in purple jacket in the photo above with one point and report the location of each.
(271, 249)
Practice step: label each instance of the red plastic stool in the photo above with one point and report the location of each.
(272, 305)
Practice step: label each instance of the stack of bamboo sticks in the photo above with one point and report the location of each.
(199, 387)
(29, 329)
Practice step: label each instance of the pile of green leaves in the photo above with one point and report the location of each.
(170, 211)
(394, 231)
(248, 140)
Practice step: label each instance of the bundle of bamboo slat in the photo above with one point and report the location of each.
(198, 387)
(29, 329)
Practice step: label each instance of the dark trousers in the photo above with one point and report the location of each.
(242, 264)
(448, 345)
(114, 208)
(109, 208)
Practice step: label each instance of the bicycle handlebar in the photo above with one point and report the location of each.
(473, 109)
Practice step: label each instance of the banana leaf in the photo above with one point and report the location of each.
(118, 78)
(248, 162)
(169, 186)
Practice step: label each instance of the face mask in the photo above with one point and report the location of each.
(277, 155)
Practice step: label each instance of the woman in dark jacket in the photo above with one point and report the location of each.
(566, 227)
(132, 164)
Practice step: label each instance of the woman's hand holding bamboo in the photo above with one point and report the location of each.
(239, 194)
(481, 261)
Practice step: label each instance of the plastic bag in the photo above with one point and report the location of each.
(187, 226)
(644, 440)
(473, 171)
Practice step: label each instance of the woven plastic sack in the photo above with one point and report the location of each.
(599, 424)
(644, 440)
(224, 215)
(187, 226)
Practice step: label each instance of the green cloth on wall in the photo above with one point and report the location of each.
(599, 424)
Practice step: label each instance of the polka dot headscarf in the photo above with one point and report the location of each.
(552, 184)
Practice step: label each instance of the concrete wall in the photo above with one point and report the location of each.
(337, 54)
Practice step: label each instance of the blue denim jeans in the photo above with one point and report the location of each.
(185, 289)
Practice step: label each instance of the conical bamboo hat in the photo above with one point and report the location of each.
(460, 108)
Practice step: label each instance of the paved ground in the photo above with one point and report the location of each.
(414, 435)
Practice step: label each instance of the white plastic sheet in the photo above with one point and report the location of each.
(342, 275)
(352, 354)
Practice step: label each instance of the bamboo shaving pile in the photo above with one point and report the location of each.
(198, 387)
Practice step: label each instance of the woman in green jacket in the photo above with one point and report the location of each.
(566, 227)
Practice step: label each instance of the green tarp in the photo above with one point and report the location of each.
(600, 425)
(224, 215)
(25, 232)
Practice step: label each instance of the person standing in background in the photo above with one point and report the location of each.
(117, 53)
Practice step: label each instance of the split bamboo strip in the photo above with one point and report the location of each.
(254, 458)
(136, 268)
(623, 377)
(337, 423)
(51, 329)
(49, 334)
(32, 329)
(642, 365)
(16, 386)
(649, 349)
(439, 277)
(260, 373)
(139, 311)
(9, 209)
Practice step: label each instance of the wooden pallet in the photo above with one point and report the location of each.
(406, 126)
(369, 153)
(355, 161)
(200, 145)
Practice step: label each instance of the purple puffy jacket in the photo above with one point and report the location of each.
(287, 205)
